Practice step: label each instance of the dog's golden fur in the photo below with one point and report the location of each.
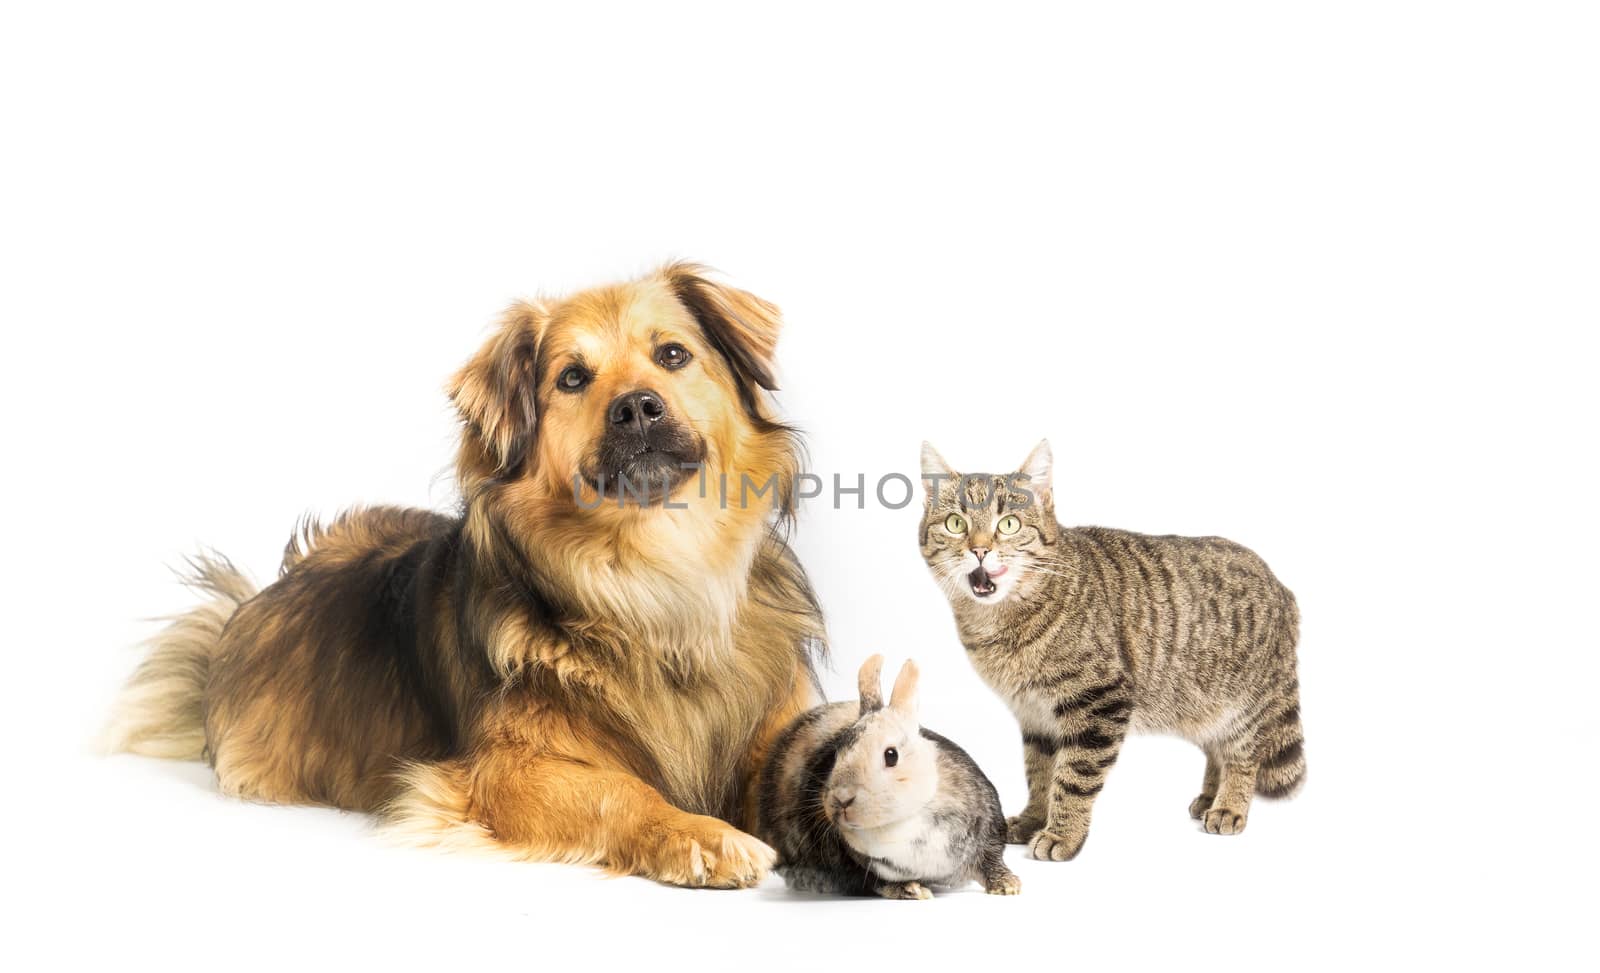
(551, 674)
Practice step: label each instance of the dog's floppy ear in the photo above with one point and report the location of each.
(494, 392)
(742, 326)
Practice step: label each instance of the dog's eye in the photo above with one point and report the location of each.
(573, 379)
(1009, 524)
(672, 356)
(891, 757)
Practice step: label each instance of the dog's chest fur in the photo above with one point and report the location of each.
(688, 728)
(696, 737)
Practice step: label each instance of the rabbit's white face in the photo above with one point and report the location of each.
(887, 774)
(886, 771)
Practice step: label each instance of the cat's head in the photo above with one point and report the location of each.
(984, 534)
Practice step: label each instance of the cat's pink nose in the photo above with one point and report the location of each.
(981, 552)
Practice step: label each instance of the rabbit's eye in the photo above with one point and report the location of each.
(891, 757)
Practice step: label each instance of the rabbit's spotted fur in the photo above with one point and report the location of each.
(858, 799)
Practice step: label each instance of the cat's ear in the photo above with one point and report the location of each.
(868, 685)
(935, 471)
(1037, 469)
(903, 698)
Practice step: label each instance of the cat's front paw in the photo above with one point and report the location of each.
(1020, 829)
(1200, 805)
(905, 890)
(1055, 846)
(1221, 820)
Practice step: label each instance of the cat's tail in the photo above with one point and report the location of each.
(1283, 758)
(1281, 744)
(160, 711)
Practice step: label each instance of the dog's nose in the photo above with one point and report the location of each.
(636, 408)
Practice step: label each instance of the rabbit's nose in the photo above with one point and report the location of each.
(842, 800)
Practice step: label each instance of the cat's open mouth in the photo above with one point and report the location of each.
(982, 584)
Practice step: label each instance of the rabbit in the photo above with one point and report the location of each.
(858, 799)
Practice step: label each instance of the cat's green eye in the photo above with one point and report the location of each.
(955, 524)
(1009, 524)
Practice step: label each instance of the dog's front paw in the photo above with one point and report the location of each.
(703, 852)
(1222, 820)
(1056, 846)
(1020, 829)
(905, 890)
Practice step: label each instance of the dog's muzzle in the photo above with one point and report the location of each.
(646, 453)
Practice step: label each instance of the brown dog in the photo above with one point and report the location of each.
(559, 672)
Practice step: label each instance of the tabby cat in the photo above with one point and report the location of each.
(1088, 632)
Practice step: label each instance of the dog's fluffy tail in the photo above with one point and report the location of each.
(159, 712)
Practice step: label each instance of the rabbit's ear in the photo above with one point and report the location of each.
(868, 685)
(903, 699)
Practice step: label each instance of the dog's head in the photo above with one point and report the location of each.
(621, 398)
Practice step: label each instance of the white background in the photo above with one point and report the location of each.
(1320, 280)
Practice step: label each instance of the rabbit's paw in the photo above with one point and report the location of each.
(905, 890)
(1007, 884)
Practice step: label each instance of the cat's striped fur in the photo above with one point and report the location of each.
(1090, 632)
